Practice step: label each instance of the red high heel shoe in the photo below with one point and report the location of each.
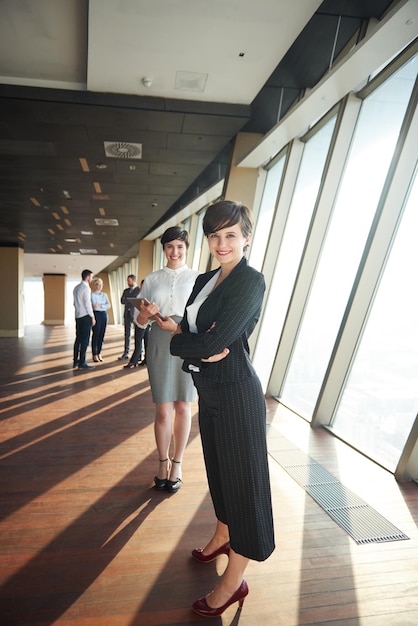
(197, 553)
(201, 607)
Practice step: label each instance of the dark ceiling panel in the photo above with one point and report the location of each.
(186, 145)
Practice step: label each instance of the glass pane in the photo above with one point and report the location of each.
(380, 400)
(370, 156)
(290, 252)
(198, 242)
(33, 300)
(266, 214)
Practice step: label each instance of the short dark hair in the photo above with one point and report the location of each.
(174, 232)
(227, 213)
(131, 276)
(85, 273)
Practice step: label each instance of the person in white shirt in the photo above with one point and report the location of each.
(84, 319)
(100, 303)
(172, 389)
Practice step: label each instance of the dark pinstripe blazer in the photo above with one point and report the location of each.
(235, 308)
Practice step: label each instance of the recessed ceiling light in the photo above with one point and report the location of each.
(86, 232)
(84, 164)
(106, 221)
(70, 240)
(88, 251)
(66, 194)
(101, 166)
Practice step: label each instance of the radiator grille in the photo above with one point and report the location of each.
(360, 521)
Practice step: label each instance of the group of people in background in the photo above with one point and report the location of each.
(91, 305)
(198, 327)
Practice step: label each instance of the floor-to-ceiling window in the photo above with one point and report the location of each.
(363, 179)
(380, 400)
(266, 213)
(289, 250)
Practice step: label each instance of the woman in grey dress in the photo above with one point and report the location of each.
(172, 389)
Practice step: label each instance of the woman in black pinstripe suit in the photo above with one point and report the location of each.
(220, 315)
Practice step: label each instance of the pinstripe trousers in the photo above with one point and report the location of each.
(232, 420)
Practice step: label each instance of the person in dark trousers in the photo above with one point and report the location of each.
(212, 339)
(101, 304)
(84, 319)
(131, 291)
(139, 355)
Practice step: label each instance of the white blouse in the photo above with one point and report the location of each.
(193, 308)
(170, 289)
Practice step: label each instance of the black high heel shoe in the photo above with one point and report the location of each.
(161, 483)
(129, 365)
(172, 486)
(201, 607)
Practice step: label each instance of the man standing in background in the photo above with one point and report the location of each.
(131, 291)
(84, 319)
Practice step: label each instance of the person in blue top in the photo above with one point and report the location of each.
(100, 303)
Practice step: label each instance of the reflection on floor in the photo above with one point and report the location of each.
(86, 541)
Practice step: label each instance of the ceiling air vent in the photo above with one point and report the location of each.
(103, 221)
(123, 150)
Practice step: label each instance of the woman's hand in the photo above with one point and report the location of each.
(178, 331)
(146, 311)
(167, 323)
(217, 357)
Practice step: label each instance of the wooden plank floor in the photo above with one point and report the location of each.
(86, 542)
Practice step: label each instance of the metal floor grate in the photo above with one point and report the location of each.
(356, 517)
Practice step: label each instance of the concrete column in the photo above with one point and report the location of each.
(145, 259)
(241, 182)
(11, 288)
